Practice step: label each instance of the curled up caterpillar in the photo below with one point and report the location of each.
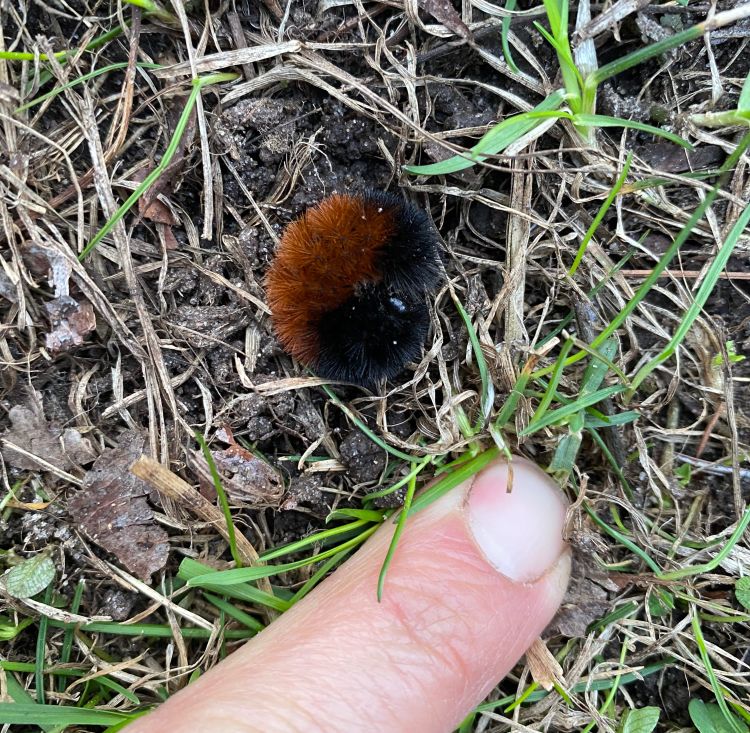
(347, 288)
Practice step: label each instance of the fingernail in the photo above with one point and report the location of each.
(520, 533)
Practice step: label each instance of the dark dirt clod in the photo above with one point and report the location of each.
(205, 325)
(117, 604)
(364, 459)
(305, 491)
(672, 158)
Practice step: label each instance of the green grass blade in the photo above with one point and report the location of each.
(153, 9)
(118, 689)
(715, 684)
(315, 538)
(644, 54)
(190, 568)
(418, 467)
(400, 524)
(584, 686)
(494, 140)
(363, 428)
(589, 120)
(467, 724)
(704, 292)
(41, 649)
(554, 10)
(622, 539)
(611, 196)
(232, 611)
(595, 372)
(223, 500)
(563, 413)
(487, 397)
(567, 450)
(665, 260)
(549, 393)
(509, 406)
(743, 104)
(709, 718)
(319, 574)
(134, 715)
(18, 694)
(151, 178)
(61, 55)
(715, 561)
(621, 418)
(67, 646)
(151, 631)
(546, 34)
(55, 715)
(557, 16)
(678, 39)
(656, 181)
(614, 465)
(510, 6)
(511, 128)
(453, 479)
(371, 515)
(219, 579)
(80, 80)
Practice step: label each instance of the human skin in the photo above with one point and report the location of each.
(475, 579)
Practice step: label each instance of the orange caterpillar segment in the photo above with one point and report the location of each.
(321, 259)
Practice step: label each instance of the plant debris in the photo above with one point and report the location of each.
(112, 510)
(71, 322)
(444, 12)
(42, 442)
(162, 328)
(247, 479)
(30, 576)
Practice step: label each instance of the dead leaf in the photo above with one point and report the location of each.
(45, 261)
(444, 12)
(545, 669)
(33, 506)
(170, 241)
(158, 212)
(671, 158)
(71, 321)
(246, 478)
(586, 599)
(65, 448)
(152, 208)
(149, 205)
(171, 486)
(112, 510)
(7, 288)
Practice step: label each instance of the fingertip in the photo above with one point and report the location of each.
(516, 514)
(476, 577)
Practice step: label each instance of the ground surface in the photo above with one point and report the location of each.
(162, 330)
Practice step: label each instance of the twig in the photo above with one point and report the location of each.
(688, 274)
(173, 487)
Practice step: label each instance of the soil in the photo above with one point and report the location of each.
(179, 341)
